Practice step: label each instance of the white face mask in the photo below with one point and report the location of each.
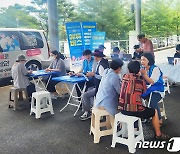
(51, 58)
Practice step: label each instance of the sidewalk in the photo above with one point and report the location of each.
(62, 133)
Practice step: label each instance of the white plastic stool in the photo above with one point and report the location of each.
(96, 124)
(42, 104)
(127, 135)
(166, 84)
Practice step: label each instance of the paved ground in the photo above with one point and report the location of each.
(62, 133)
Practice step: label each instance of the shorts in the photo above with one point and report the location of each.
(145, 114)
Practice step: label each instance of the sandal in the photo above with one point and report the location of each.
(162, 137)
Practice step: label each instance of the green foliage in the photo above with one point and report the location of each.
(109, 16)
(11, 18)
(159, 17)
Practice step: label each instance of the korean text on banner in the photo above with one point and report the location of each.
(75, 41)
(97, 39)
(88, 28)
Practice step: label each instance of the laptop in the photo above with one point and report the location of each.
(114, 56)
(127, 57)
(170, 60)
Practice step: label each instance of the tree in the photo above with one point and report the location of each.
(39, 10)
(156, 17)
(176, 17)
(109, 16)
(11, 15)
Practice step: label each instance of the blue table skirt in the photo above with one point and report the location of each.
(42, 73)
(67, 78)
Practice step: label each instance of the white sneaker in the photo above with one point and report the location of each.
(53, 96)
(85, 116)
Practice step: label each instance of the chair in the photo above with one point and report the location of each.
(20, 97)
(166, 84)
(41, 102)
(96, 124)
(127, 134)
(162, 108)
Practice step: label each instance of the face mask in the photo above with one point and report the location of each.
(51, 58)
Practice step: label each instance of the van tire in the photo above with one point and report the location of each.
(33, 65)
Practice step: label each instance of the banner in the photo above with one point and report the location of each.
(75, 41)
(87, 29)
(97, 39)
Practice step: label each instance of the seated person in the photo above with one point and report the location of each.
(117, 51)
(57, 65)
(87, 69)
(137, 53)
(19, 75)
(102, 64)
(109, 88)
(130, 101)
(154, 80)
(177, 54)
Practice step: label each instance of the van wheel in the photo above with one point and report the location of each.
(33, 65)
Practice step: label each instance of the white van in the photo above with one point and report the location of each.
(15, 41)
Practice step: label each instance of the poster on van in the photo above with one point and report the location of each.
(9, 42)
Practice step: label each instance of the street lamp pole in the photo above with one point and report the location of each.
(17, 22)
(138, 15)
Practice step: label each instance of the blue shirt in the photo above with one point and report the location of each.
(87, 66)
(108, 92)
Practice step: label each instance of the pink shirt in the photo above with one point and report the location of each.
(147, 46)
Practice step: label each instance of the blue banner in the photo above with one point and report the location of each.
(97, 39)
(88, 28)
(75, 41)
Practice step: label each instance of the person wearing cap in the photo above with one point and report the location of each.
(137, 53)
(109, 88)
(19, 75)
(101, 47)
(102, 64)
(130, 101)
(147, 45)
(117, 51)
(177, 54)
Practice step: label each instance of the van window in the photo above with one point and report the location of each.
(31, 40)
(9, 41)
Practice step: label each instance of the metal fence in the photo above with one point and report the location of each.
(158, 43)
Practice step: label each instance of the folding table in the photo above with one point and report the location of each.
(73, 80)
(37, 78)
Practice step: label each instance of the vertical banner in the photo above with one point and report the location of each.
(97, 39)
(87, 29)
(75, 41)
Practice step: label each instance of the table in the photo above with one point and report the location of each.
(38, 75)
(73, 80)
(171, 71)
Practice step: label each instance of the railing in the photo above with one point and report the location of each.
(158, 44)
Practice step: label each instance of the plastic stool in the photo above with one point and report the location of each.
(42, 104)
(18, 98)
(127, 135)
(96, 124)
